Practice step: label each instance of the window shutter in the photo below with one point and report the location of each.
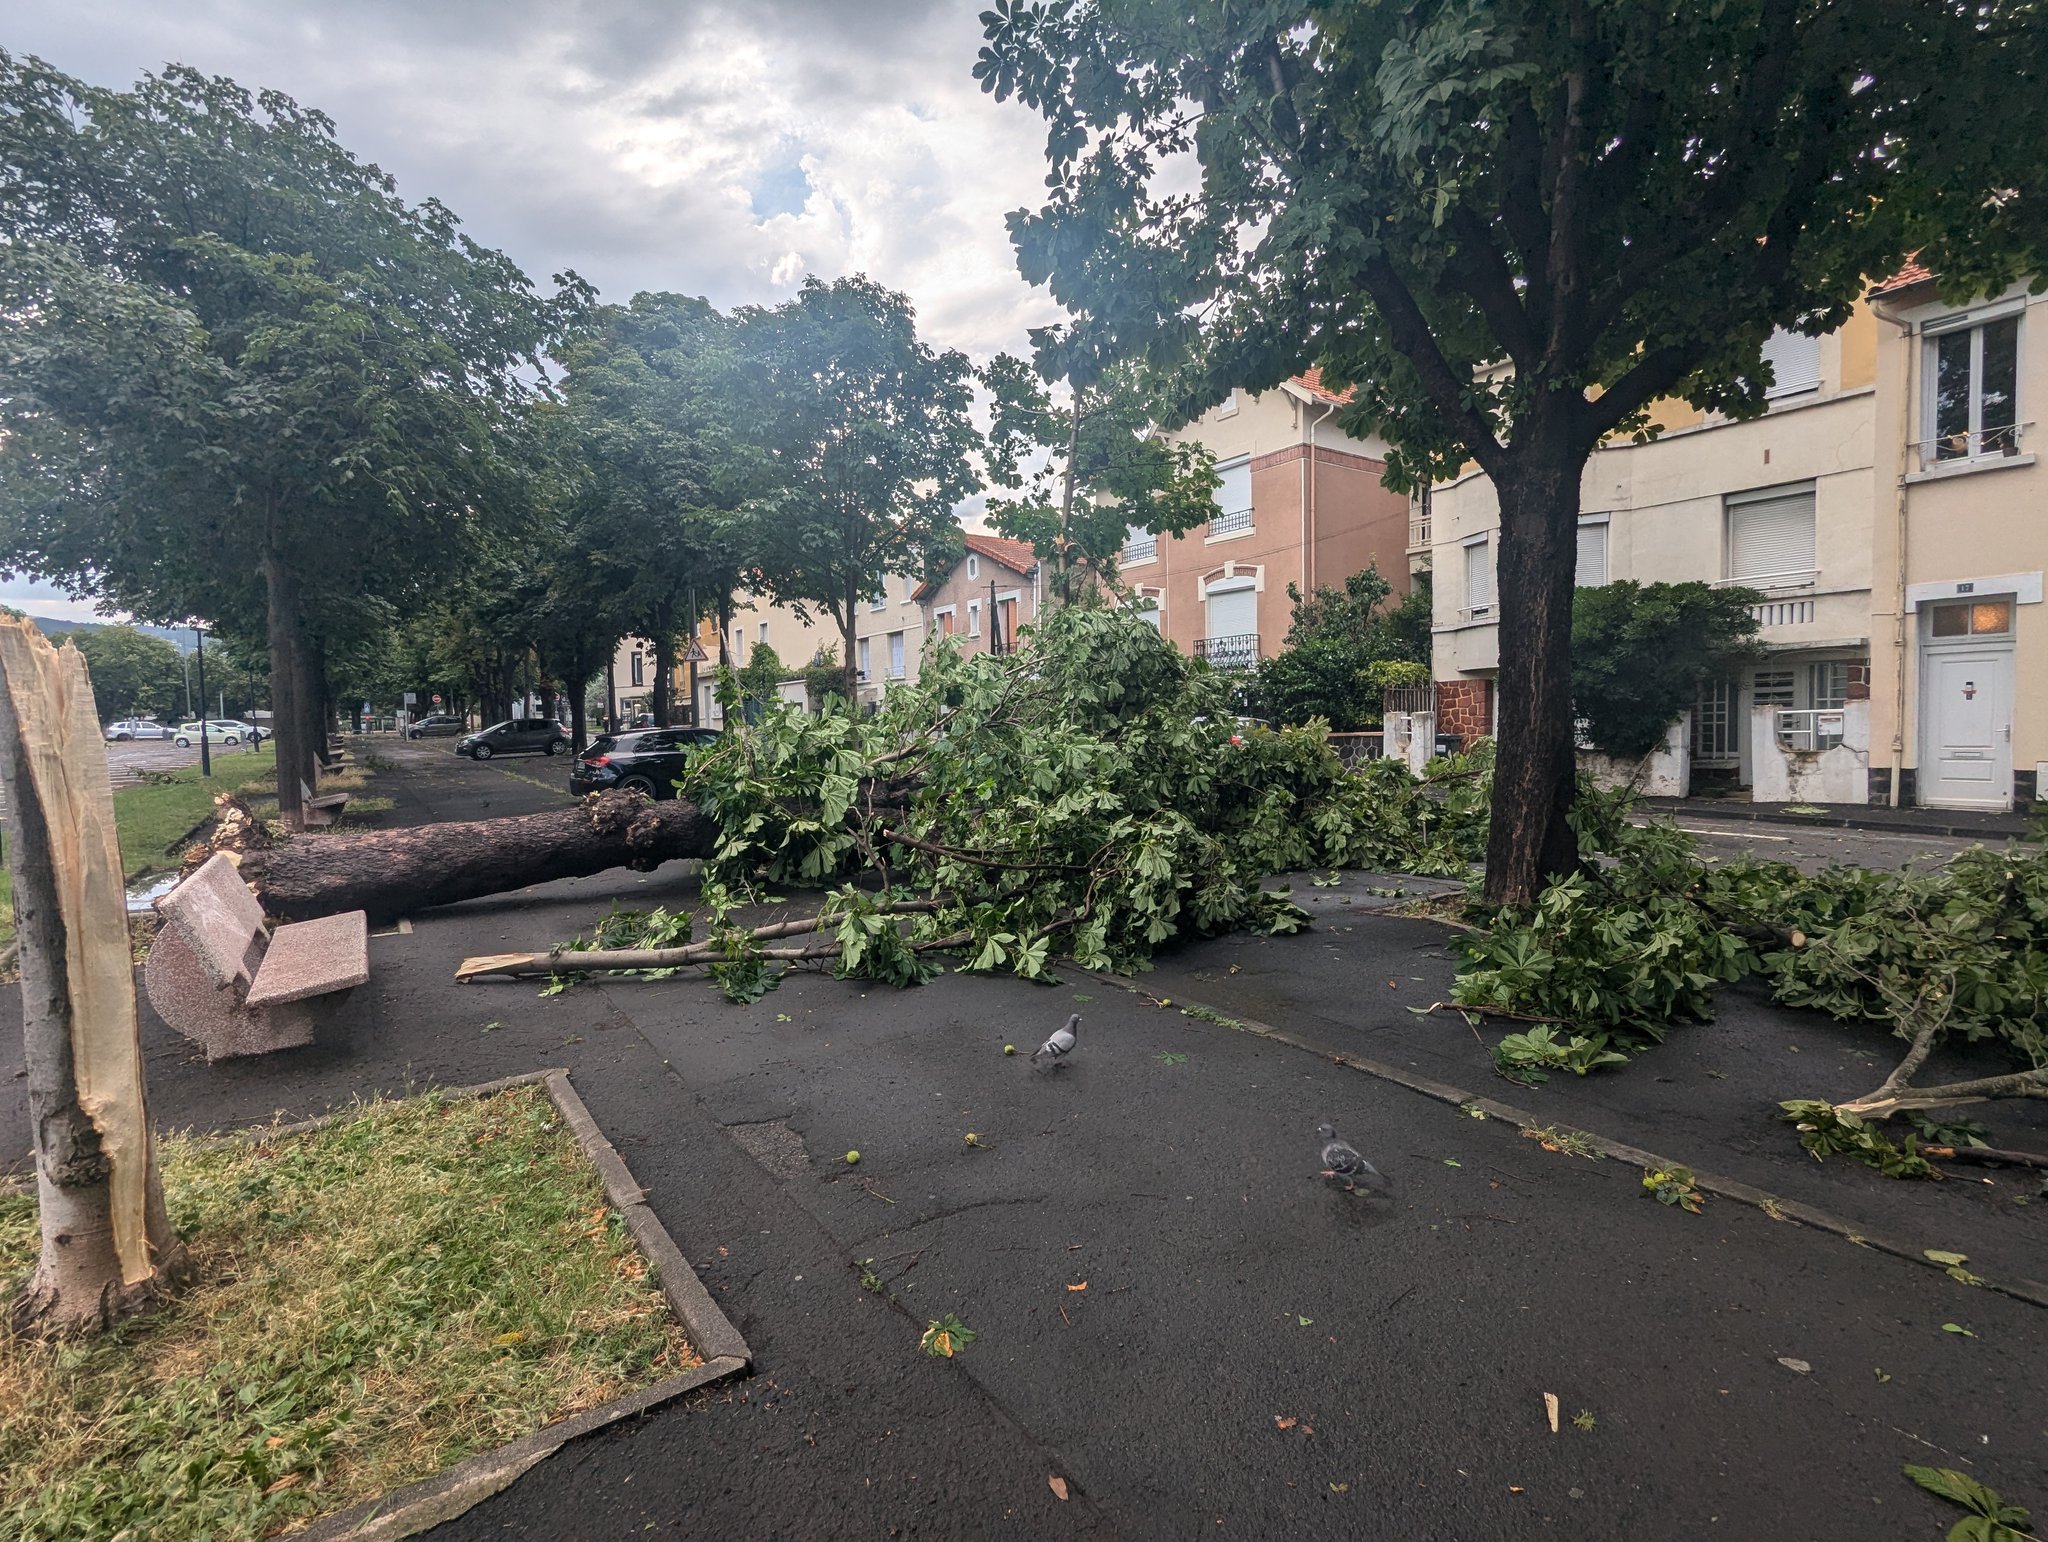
(1795, 362)
(1233, 612)
(1235, 495)
(1771, 538)
(1479, 576)
(1592, 569)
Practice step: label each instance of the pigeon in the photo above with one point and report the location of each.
(1342, 1162)
(1054, 1051)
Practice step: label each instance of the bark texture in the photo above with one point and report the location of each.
(399, 872)
(1535, 766)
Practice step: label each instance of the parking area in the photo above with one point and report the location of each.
(127, 761)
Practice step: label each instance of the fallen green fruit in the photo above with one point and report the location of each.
(1009, 1049)
(852, 1157)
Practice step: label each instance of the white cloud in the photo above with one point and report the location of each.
(630, 141)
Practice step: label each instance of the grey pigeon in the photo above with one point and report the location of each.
(1054, 1051)
(1342, 1162)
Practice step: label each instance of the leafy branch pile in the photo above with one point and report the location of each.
(1081, 798)
(1643, 935)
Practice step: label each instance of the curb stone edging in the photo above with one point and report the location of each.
(415, 1507)
(2033, 1292)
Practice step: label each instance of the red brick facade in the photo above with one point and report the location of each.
(1465, 707)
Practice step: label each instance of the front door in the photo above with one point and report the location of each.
(1966, 716)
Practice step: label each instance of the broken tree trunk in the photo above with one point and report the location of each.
(392, 873)
(107, 1244)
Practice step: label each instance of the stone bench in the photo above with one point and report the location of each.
(321, 809)
(218, 977)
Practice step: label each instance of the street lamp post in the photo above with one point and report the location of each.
(205, 754)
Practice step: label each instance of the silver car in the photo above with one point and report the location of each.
(137, 728)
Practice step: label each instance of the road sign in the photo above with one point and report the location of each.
(412, 698)
(695, 654)
(437, 698)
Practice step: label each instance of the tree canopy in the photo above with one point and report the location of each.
(133, 674)
(1512, 226)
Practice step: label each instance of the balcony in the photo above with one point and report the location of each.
(1140, 549)
(1784, 613)
(1237, 522)
(1965, 451)
(1239, 652)
(1418, 534)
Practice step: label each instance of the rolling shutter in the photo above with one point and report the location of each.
(1478, 576)
(1233, 612)
(1795, 362)
(1771, 538)
(1592, 568)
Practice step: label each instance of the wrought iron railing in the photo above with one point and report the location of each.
(1140, 549)
(1231, 523)
(1987, 444)
(1239, 652)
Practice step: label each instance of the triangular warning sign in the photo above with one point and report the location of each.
(695, 654)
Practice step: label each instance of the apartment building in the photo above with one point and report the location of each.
(630, 678)
(1301, 503)
(1959, 678)
(980, 602)
(889, 635)
(1906, 422)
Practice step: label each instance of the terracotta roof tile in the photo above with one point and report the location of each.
(1912, 273)
(1017, 555)
(1311, 381)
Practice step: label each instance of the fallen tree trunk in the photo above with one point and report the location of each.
(392, 873)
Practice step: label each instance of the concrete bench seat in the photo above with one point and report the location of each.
(321, 809)
(220, 978)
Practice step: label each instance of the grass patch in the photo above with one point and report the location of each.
(376, 1300)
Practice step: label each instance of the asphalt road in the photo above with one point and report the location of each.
(1254, 1353)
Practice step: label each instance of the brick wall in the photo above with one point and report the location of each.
(1859, 681)
(1464, 706)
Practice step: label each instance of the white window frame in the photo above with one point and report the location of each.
(973, 566)
(1227, 408)
(1484, 545)
(879, 600)
(1974, 322)
(896, 666)
(639, 669)
(863, 645)
(763, 637)
(974, 618)
(939, 617)
(1605, 524)
(1230, 523)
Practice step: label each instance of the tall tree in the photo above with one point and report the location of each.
(239, 376)
(1513, 226)
(132, 672)
(667, 467)
(1090, 468)
(870, 448)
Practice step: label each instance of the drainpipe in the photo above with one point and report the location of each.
(1899, 637)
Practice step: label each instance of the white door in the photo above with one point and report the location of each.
(1966, 717)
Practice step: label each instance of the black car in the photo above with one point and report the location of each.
(521, 736)
(648, 760)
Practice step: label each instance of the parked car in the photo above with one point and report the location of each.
(252, 732)
(646, 761)
(216, 733)
(137, 728)
(435, 725)
(520, 736)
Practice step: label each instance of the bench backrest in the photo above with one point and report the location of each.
(220, 920)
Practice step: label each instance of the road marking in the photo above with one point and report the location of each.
(1733, 835)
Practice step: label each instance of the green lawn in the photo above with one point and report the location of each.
(374, 1301)
(151, 817)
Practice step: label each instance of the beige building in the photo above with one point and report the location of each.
(889, 637)
(1959, 686)
(1301, 503)
(1909, 418)
(980, 602)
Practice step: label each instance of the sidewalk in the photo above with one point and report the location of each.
(1959, 823)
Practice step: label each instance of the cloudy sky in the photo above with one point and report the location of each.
(715, 148)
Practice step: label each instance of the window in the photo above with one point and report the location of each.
(1770, 537)
(1592, 569)
(1971, 618)
(1827, 685)
(864, 658)
(1795, 363)
(895, 655)
(639, 669)
(1140, 545)
(1772, 687)
(1973, 391)
(1147, 607)
(974, 618)
(764, 631)
(1233, 498)
(944, 619)
(1478, 576)
(1228, 407)
(973, 566)
(1713, 723)
(879, 600)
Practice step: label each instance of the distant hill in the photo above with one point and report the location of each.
(56, 626)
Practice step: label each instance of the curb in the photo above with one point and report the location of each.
(2033, 1292)
(2017, 831)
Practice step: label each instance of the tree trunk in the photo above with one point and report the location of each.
(398, 872)
(287, 719)
(664, 664)
(107, 1244)
(579, 738)
(1535, 766)
(850, 674)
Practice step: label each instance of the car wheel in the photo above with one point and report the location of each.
(553, 747)
(480, 752)
(183, 744)
(639, 784)
(414, 734)
(232, 739)
(122, 738)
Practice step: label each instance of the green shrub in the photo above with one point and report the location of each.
(1641, 652)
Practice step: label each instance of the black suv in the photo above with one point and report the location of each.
(648, 760)
(521, 736)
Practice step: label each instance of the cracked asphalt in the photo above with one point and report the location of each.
(1174, 1314)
